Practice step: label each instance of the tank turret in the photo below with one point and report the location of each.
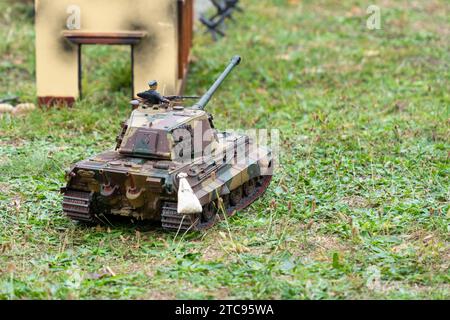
(149, 131)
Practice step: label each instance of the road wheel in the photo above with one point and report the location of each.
(209, 212)
(236, 196)
(249, 187)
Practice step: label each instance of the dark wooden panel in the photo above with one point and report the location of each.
(83, 37)
(185, 31)
(51, 101)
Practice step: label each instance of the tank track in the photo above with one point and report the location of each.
(77, 205)
(262, 185)
(172, 221)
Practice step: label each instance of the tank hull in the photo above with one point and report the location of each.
(145, 189)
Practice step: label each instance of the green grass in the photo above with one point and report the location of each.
(360, 204)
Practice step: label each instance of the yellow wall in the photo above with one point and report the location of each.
(156, 55)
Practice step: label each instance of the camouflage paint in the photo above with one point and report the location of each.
(140, 178)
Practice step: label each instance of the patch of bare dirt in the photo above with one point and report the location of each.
(325, 245)
(213, 253)
(4, 187)
(310, 244)
(391, 286)
(356, 202)
(15, 142)
(159, 295)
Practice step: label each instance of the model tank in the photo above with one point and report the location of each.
(161, 170)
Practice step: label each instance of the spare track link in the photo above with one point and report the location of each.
(77, 205)
(173, 221)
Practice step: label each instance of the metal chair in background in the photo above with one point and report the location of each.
(224, 10)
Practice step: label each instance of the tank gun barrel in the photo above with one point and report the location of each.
(175, 98)
(201, 104)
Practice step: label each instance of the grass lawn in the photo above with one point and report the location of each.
(359, 206)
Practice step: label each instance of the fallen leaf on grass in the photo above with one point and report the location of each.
(223, 235)
(309, 225)
(111, 272)
(284, 57)
(11, 268)
(238, 248)
(355, 11)
(371, 53)
(400, 247)
(261, 91)
(17, 204)
(123, 239)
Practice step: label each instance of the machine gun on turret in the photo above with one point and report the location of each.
(179, 98)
